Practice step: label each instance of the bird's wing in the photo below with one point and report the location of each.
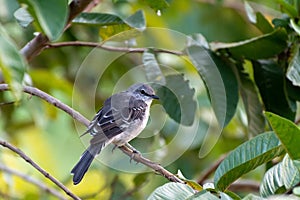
(115, 117)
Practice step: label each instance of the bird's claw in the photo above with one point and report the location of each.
(134, 153)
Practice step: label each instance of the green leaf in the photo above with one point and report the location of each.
(293, 71)
(247, 157)
(152, 69)
(288, 8)
(111, 24)
(258, 19)
(269, 78)
(99, 19)
(252, 104)
(12, 64)
(265, 46)
(284, 174)
(287, 132)
(137, 20)
(51, 15)
(174, 191)
(263, 24)
(220, 81)
(23, 17)
(157, 5)
(178, 99)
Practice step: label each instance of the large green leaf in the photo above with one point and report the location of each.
(137, 20)
(293, 72)
(269, 78)
(287, 132)
(175, 191)
(219, 80)
(51, 15)
(152, 69)
(247, 157)
(252, 104)
(265, 46)
(12, 64)
(177, 98)
(111, 24)
(284, 174)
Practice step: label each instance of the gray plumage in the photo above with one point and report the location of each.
(123, 116)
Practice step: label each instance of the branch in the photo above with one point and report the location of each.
(57, 103)
(156, 167)
(244, 186)
(37, 44)
(33, 181)
(37, 167)
(76, 115)
(110, 48)
(210, 170)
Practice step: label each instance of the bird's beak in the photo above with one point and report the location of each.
(154, 97)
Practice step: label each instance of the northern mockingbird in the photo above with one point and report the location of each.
(123, 116)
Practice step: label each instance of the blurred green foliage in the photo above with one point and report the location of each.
(83, 77)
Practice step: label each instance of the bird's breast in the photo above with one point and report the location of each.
(132, 130)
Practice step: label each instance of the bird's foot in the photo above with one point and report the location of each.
(114, 148)
(134, 154)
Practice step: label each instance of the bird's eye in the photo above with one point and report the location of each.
(143, 91)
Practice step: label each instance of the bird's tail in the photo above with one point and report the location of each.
(85, 161)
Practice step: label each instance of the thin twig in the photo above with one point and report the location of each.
(37, 167)
(76, 115)
(110, 48)
(210, 170)
(33, 181)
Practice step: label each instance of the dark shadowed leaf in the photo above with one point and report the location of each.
(178, 99)
(51, 15)
(247, 157)
(252, 104)
(269, 78)
(287, 132)
(265, 46)
(284, 174)
(220, 81)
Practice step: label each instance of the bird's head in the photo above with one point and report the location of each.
(143, 92)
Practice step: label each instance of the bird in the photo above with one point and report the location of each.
(122, 117)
